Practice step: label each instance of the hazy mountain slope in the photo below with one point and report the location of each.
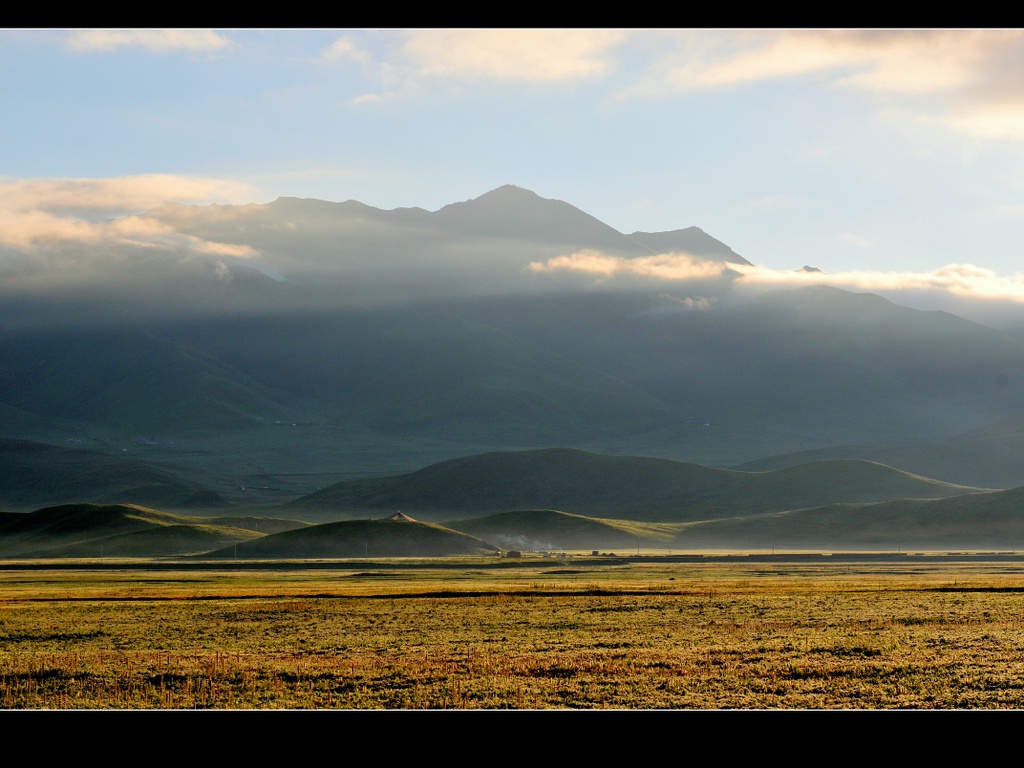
(616, 373)
(361, 538)
(34, 474)
(803, 368)
(626, 487)
(692, 240)
(128, 376)
(760, 375)
(990, 456)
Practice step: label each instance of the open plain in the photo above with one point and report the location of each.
(638, 632)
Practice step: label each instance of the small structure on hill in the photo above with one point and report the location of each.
(398, 517)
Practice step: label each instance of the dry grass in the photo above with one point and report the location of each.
(638, 636)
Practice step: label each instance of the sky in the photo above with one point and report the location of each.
(888, 158)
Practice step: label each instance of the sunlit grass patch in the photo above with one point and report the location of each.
(645, 636)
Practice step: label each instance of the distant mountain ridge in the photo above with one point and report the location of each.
(503, 231)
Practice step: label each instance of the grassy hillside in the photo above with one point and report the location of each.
(161, 541)
(626, 487)
(94, 530)
(548, 529)
(992, 521)
(361, 538)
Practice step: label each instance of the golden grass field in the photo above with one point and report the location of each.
(475, 633)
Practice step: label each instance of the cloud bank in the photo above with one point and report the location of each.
(40, 213)
(48, 224)
(963, 280)
(116, 195)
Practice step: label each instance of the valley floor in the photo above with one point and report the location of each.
(622, 633)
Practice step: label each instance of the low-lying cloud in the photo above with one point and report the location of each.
(37, 213)
(81, 228)
(964, 280)
(116, 195)
(667, 266)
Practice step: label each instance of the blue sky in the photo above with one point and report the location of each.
(885, 157)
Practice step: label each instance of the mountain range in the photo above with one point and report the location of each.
(329, 347)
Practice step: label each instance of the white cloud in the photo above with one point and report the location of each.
(36, 213)
(126, 193)
(153, 40)
(967, 80)
(904, 61)
(965, 280)
(990, 121)
(513, 54)
(960, 280)
(345, 48)
(28, 230)
(729, 59)
(667, 266)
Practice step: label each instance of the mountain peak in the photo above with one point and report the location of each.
(510, 192)
(514, 212)
(506, 194)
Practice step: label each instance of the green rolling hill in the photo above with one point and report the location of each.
(159, 541)
(624, 487)
(981, 521)
(361, 538)
(549, 529)
(122, 530)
